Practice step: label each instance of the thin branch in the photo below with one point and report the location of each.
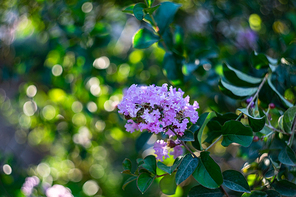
(185, 145)
(277, 130)
(224, 191)
(293, 132)
(165, 174)
(214, 142)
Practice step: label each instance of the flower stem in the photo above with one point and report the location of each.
(224, 191)
(214, 142)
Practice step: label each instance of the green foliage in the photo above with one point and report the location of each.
(200, 191)
(168, 184)
(186, 168)
(144, 38)
(234, 180)
(144, 181)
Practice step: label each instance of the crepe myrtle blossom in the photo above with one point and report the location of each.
(58, 191)
(30, 183)
(157, 109)
(163, 149)
(249, 100)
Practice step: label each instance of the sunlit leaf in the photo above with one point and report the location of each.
(168, 184)
(129, 9)
(236, 92)
(144, 181)
(144, 38)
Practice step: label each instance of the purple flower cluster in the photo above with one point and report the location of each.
(58, 191)
(29, 185)
(157, 109)
(246, 39)
(249, 100)
(162, 149)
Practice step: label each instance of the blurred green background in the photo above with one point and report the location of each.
(65, 64)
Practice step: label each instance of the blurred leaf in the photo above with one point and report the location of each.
(287, 156)
(150, 164)
(200, 191)
(127, 172)
(144, 38)
(170, 169)
(272, 193)
(208, 172)
(140, 161)
(285, 187)
(286, 103)
(142, 139)
(235, 181)
(127, 164)
(290, 54)
(222, 118)
(144, 181)
(194, 127)
(129, 180)
(288, 119)
(152, 9)
(255, 194)
(168, 184)
(259, 60)
(236, 92)
(256, 124)
(235, 131)
(204, 120)
(138, 10)
(188, 136)
(129, 9)
(164, 15)
(149, 2)
(186, 168)
(239, 78)
(173, 68)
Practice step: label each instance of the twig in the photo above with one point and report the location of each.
(277, 130)
(224, 191)
(214, 142)
(185, 145)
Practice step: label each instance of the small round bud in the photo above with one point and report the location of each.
(271, 105)
(171, 143)
(255, 139)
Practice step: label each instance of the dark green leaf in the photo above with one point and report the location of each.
(186, 168)
(149, 2)
(126, 172)
(164, 15)
(288, 119)
(256, 123)
(144, 181)
(170, 169)
(168, 184)
(239, 78)
(214, 130)
(144, 38)
(287, 156)
(208, 173)
(255, 194)
(194, 128)
(188, 136)
(140, 161)
(200, 191)
(172, 68)
(259, 60)
(138, 10)
(285, 187)
(236, 92)
(150, 164)
(129, 180)
(129, 9)
(272, 193)
(127, 164)
(142, 139)
(222, 118)
(205, 122)
(235, 131)
(235, 181)
(287, 103)
(151, 10)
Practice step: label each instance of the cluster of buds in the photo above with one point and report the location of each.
(158, 109)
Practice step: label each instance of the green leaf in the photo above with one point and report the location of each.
(164, 15)
(188, 136)
(235, 131)
(256, 123)
(285, 187)
(286, 103)
(144, 38)
(150, 164)
(127, 164)
(288, 119)
(138, 10)
(235, 181)
(172, 68)
(194, 128)
(151, 10)
(208, 173)
(255, 194)
(259, 60)
(149, 2)
(129, 9)
(186, 168)
(127, 172)
(140, 161)
(272, 193)
(236, 92)
(129, 180)
(239, 78)
(144, 181)
(142, 140)
(287, 156)
(200, 191)
(170, 169)
(222, 118)
(201, 130)
(168, 184)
